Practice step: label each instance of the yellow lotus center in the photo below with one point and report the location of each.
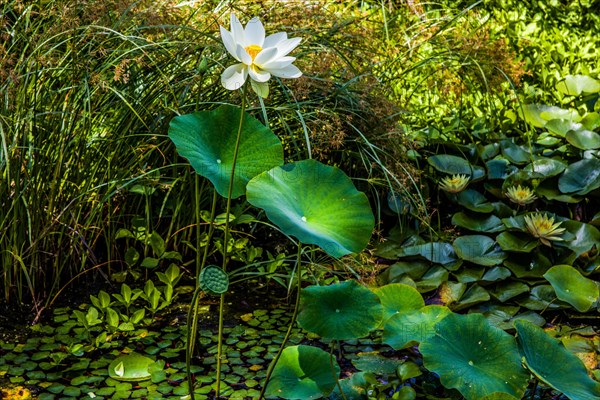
(522, 193)
(253, 50)
(545, 225)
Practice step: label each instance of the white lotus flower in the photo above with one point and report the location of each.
(259, 57)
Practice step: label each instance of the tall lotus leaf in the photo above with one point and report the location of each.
(303, 372)
(398, 298)
(584, 139)
(345, 310)
(413, 327)
(572, 287)
(581, 177)
(553, 364)
(474, 357)
(316, 203)
(574, 85)
(207, 140)
(479, 249)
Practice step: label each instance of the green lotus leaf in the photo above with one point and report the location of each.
(540, 298)
(539, 114)
(553, 364)
(545, 168)
(583, 139)
(570, 286)
(560, 127)
(130, 367)
(474, 201)
(579, 237)
(517, 242)
(432, 279)
(303, 372)
(316, 203)
(450, 164)
(477, 222)
(507, 290)
(548, 189)
(479, 249)
(474, 295)
(376, 363)
(474, 357)
(355, 387)
(398, 298)
(591, 121)
(496, 274)
(581, 177)
(207, 140)
(488, 151)
(574, 85)
(413, 327)
(499, 168)
(437, 252)
(468, 275)
(532, 265)
(345, 310)
(513, 153)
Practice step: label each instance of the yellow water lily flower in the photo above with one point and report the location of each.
(520, 195)
(259, 56)
(544, 228)
(454, 183)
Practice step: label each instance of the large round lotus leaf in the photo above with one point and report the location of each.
(316, 203)
(303, 372)
(553, 364)
(479, 249)
(583, 139)
(581, 177)
(130, 367)
(572, 287)
(545, 168)
(437, 252)
(345, 310)
(574, 85)
(207, 140)
(410, 328)
(474, 357)
(478, 222)
(398, 298)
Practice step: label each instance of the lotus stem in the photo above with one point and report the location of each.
(226, 240)
(337, 379)
(290, 327)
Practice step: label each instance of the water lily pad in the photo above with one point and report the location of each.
(410, 328)
(570, 286)
(474, 357)
(581, 177)
(583, 139)
(574, 85)
(545, 168)
(207, 140)
(477, 222)
(517, 241)
(560, 127)
(474, 201)
(130, 367)
(450, 164)
(345, 310)
(398, 298)
(515, 154)
(479, 249)
(316, 203)
(553, 364)
(437, 252)
(303, 372)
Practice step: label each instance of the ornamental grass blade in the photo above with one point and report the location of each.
(207, 139)
(317, 204)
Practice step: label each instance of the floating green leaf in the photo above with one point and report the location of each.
(345, 310)
(316, 203)
(474, 357)
(477, 222)
(130, 367)
(207, 140)
(410, 328)
(581, 177)
(398, 298)
(553, 364)
(583, 139)
(437, 252)
(517, 241)
(474, 201)
(479, 249)
(545, 168)
(574, 85)
(570, 286)
(450, 164)
(303, 372)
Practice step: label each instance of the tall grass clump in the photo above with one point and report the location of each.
(88, 89)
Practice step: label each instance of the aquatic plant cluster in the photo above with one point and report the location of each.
(434, 240)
